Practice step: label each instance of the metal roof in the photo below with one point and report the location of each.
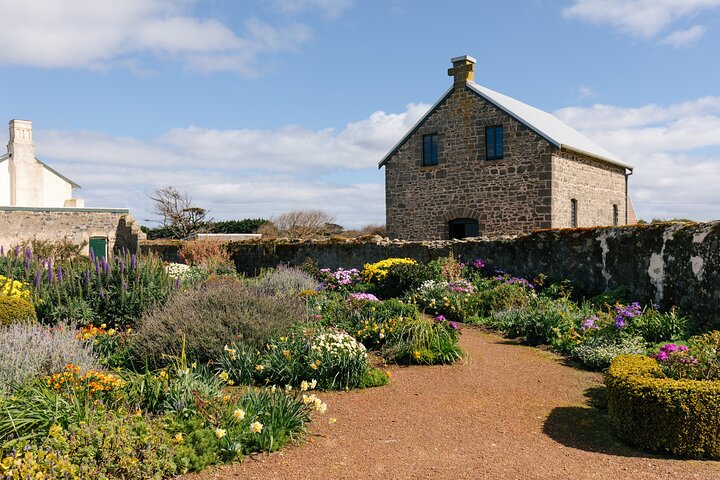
(543, 123)
(52, 170)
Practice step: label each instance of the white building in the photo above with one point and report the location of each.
(25, 181)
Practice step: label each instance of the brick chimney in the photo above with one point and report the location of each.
(463, 70)
(26, 173)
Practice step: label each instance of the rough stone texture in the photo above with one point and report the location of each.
(670, 264)
(526, 190)
(78, 225)
(596, 186)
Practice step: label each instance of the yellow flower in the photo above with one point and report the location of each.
(322, 407)
(313, 366)
(304, 386)
(55, 430)
(179, 437)
(231, 383)
(416, 355)
(224, 376)
(103, 326)
(256, 427)
(111, 332)
(286, 353)
(332, 420)
(288, 388)
(239, 414)
(313, 384)
(259, 368)
(220, 433)
(226, 398)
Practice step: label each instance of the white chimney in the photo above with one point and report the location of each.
(26, 173)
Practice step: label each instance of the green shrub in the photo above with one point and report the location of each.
(286, 281)
(620, 294)
(650, 411)
(540, 321)
(400, 279)
(424, 341)
(597, 351)
(655, 326)
(499, 298)
(211, 315)
(375, 377)
(332, 358)
(16, 309)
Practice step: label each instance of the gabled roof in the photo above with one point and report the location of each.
(48, 167)
(544, 124)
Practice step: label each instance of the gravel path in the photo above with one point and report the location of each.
(506, 412)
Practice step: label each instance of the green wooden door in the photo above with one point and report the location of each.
(99, 246)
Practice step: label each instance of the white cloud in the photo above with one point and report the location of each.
(101, 35)
(237, 173)
(330, 8)
(642, 18)
(682, 38)
(675, 150)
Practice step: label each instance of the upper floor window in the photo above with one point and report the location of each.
(616, 215)
(430, 149)
(494, 143)
(573, 213)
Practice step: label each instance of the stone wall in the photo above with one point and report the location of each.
(76, 224)
(506, 196)
(596, 186)
(670, 264)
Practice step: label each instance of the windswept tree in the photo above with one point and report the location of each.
(178, 213)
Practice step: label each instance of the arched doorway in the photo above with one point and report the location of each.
(463, 227)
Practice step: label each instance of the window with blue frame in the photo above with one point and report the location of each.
(494, 143)
(430, 149)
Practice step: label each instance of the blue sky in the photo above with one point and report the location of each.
(258, 107)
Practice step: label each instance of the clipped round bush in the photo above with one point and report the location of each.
(653, 412)
(16, 309)
(220, 311)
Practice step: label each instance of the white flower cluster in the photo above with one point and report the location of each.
(432, 286)
(177, 270)
(338, 343)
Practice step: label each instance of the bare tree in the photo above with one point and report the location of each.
(177, 212)
(301, 224)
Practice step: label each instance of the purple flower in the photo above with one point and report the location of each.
(38, 276)
(440, 318)
(28, 253)
(454, 325)
(362, 297)
(177, 282)
(106, 266)
(477, 263)
(101, 294)
(124, 285)
(133, 261)
(60, 274)
(619, 322)
(92, 255)
(661, 356)
(17, 250)
(683, 348)
(122, 266)
(589, 323)
(27, 263)
(97, 267)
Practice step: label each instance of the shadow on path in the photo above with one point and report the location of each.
(587, 427)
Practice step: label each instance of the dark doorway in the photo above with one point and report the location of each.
(463, 227)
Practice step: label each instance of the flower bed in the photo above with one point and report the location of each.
(653, 412)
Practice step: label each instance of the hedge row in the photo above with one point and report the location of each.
(653, 412)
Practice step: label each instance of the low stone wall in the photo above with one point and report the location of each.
(18, 224)
(669, 264)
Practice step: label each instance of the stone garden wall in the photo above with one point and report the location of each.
(670, 264)
(76, 224)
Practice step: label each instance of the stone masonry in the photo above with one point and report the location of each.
(18, 224)
(530, 188)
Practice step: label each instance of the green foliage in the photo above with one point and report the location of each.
(650, 411)
(332, 358)
(424, 341)
(16, 309)
(247, 225)
(499, 298)
(198, 450)
(540, 321)
(620, 294)
(222, 309)
(597, 351)
(157, 233)
(375, 377)
(656, 326)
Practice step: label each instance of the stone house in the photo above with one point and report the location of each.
(480, 163)
(36, 202)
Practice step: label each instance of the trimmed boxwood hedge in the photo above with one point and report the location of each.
(653, 412)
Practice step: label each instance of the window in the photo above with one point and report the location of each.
(98, 245)
(430, 149)
(616, 215)
(573, 213)
(494, 143)
(463, 227)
